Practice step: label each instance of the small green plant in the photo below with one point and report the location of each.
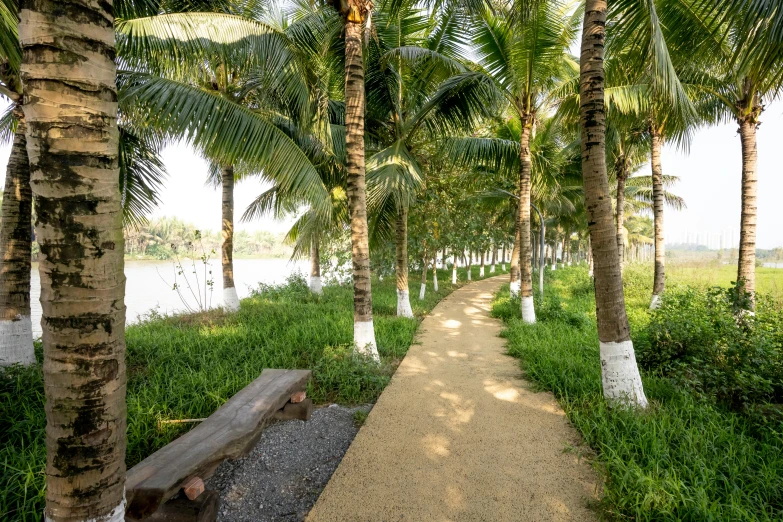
(359, 417)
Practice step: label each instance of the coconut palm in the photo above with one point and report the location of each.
(526, 61)
(354, 14)
(256, 81)
(739, 67)
(73, 153)
(410, 56)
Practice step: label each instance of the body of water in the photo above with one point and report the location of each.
(149, 284)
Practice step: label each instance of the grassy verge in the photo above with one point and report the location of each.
(187, 366)
(687, 457)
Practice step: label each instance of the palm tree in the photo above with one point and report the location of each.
(354, 13)
(620, 373)
(16, 334)
(233, 95)
(72, 143)
(526, 61)
(739, 69)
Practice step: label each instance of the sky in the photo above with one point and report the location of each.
(709, 172)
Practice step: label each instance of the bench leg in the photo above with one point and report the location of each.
(299, 410)
(180, 509)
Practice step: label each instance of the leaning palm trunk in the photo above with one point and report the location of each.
(230, 297)
(424, 266)
(525, 254)
(16, 328)
(363, 330)
(620, 374)
(514, 271)
(657, 186)
(403, 299)
(746, 266)
(621, 172)
(72, 143)
(316, 286)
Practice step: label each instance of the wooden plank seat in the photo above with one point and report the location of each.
(230, 432)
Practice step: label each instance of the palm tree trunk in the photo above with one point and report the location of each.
(514, 271)
(72, 145)
(16, 328)
(230, 297)
(424, 266)
(403, 298)
(746, 266)
(620, 374)
(621, 171)
(554, 252)
(316, 286)
(363, 330)
(525, 268)
(657, 186)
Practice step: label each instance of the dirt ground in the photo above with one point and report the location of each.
(458, 435)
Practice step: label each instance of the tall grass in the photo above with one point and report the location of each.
(686, 457)
(187, 366)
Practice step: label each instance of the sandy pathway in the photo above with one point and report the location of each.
(458, 436)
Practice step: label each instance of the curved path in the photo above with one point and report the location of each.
(459, 436)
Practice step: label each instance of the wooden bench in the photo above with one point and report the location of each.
(230, 432)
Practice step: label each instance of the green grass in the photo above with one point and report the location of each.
(685, 458)
(187, 366)
(768, 280)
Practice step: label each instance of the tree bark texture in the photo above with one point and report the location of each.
(16, 333)
(68, 73)
(658, 202)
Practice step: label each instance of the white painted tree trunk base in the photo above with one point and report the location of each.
(364, 339)
(16, 342)
(481, 272)
(554, 267)
(404, 304)
(492, 269)
(316, 286)
(528, 310)
(514, 288)
(422, 291)
(470, 274)
(434, 281)
(620, 374)
(504, 266)
(230, 299)
(655, 302)
(454, 277)
(117, 515)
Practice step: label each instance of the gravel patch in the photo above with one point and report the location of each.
(282, 477)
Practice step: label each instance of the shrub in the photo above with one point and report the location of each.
(698, 338)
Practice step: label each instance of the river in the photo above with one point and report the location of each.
(149, 284)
